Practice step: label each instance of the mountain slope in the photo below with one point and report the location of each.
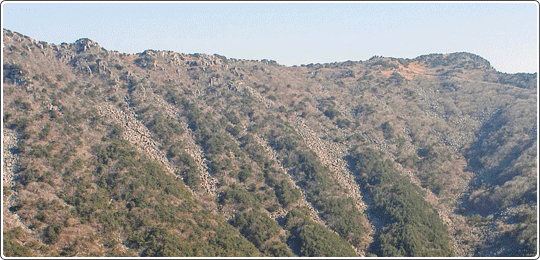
(168, 154)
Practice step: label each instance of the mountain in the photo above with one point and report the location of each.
(168, 154)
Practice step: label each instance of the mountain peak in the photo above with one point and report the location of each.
(457, 59)
(85, 44)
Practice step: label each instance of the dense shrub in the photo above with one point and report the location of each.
(51, 233)
(412, 226)
(12, 247)
(146, 61)
(388, 130)
(314, 240)
(15, 74)
(343, 123)
(135, 194)
(331, 113)
(260, 229)
(286, 193)
(340, 213)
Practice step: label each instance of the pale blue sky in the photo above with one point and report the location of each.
(505, 33)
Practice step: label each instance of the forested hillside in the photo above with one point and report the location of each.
(168, 154)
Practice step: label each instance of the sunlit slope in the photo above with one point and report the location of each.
(168, 154)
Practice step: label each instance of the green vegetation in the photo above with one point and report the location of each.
(327, 106)
(411, 226)
(384, 64)
(51, 233)
(143, 194)
(396, 78)
(164, 128)
(12, 247)
(166, 154)
(158, 241)
(340, 212)
(314, 240)
(388, 130)
(15, 74)
(285, 193)
(262, 231)
(146, 61)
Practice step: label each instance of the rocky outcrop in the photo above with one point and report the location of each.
(11, 159)
(209, 183)
(434, 101)
(10, 170)
(331, 156)
(314, 213)
(137, 134)
(84, 44)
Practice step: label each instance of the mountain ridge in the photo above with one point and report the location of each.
(84, 44)
(205, 120)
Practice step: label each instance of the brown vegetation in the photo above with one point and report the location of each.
(168, 154)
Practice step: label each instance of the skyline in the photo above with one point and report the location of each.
(293, 33)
